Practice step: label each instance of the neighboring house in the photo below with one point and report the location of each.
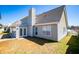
(6, 28)
(1, 26)
(50, 25)
(74, 30)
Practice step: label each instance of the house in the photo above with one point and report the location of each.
(50, 25)
(74, 30)
(1, 26)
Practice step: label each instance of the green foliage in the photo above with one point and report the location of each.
(6, 31)
(78, 36)
(74, 45)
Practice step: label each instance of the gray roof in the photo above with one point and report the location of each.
(15, 24)
(53, 15)
(19, 22)
(24, 22)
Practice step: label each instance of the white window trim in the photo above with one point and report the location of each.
(47, 28)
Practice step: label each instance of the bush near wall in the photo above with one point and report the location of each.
(78, 36)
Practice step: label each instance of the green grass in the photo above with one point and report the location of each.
(73, 45)
(62, 45)
(69, 45)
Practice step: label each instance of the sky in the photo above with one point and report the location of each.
(11, 13)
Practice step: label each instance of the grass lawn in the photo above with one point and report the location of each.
(68, 44)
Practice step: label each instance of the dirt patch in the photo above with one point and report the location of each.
(33, 46)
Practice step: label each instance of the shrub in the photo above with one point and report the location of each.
(78, 36)
(6, 30)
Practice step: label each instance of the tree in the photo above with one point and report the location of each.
(1, 25)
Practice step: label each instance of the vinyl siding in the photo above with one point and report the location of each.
(13, 32)
(29, 31)
(61, 26)
(53, 32)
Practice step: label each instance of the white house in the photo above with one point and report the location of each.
(50, 25)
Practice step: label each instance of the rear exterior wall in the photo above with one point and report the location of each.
(52, 29)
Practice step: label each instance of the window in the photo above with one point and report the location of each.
(36, 31)
(46, 30)
(20, 31)
(24, 31)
